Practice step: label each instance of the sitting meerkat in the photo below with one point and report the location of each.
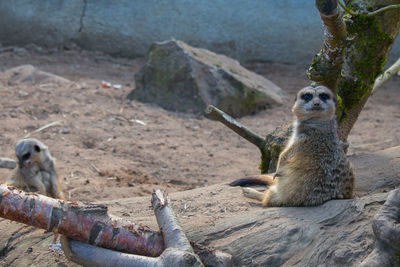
(35, 170)
(313, 167)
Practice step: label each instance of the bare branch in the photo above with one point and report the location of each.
(89, 255)
(383, 9)
(369, 14)
(90, 224)
(166, 219)
(178, 250)
(87, 223)
(234, 125)
(346, 9)
(54, 123)
(384, 77)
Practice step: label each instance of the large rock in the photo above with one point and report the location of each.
(187, 79)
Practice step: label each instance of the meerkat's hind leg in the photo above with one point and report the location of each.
(252, 193)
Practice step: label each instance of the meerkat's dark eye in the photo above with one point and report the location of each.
(26, 156)
(324, 97)
(37, 148)
(307, 97)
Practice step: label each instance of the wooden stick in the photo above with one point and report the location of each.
(7, 163)
(383, 9)
(86, 223)
(91, 224)
(166, 219)
(88, 255)
(178, 250)
(384, 77)
(43, 128)
(235, 126)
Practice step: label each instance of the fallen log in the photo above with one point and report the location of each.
(178, 250)
(88, 223)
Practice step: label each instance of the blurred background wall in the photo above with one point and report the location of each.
(287, 31)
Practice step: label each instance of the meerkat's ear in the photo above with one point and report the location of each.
(37, 148)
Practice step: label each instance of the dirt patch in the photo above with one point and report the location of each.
(108, 147)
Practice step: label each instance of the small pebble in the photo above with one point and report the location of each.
(65, 131)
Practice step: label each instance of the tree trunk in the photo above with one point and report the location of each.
(356, 43)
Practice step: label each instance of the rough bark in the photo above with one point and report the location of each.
(386, 227)
(86, 223)
(89, 224)
(326, 66)
(368, 42)
(356, 43)
(354, 53)
(178, 250)
(336, 233)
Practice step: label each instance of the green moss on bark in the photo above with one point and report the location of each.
(265, 160)
(366, 48)
(275, 143)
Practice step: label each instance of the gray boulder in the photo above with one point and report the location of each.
(183, 78)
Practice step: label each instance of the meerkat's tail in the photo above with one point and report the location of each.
(262, 179)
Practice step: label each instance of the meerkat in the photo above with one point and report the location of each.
(313, 167)
(36, 169)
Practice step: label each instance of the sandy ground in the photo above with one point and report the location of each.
(108, 149)
(102, 155)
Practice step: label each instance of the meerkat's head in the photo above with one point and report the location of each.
(28, 151)
(315, 103)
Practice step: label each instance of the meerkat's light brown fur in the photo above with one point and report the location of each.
(313, 168)
(35, 170)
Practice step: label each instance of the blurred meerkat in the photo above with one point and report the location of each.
(313, 167)
(35, 170)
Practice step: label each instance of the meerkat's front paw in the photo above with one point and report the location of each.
(247, 191)
(252, 193)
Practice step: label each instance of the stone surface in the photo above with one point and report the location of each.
(183, 78)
